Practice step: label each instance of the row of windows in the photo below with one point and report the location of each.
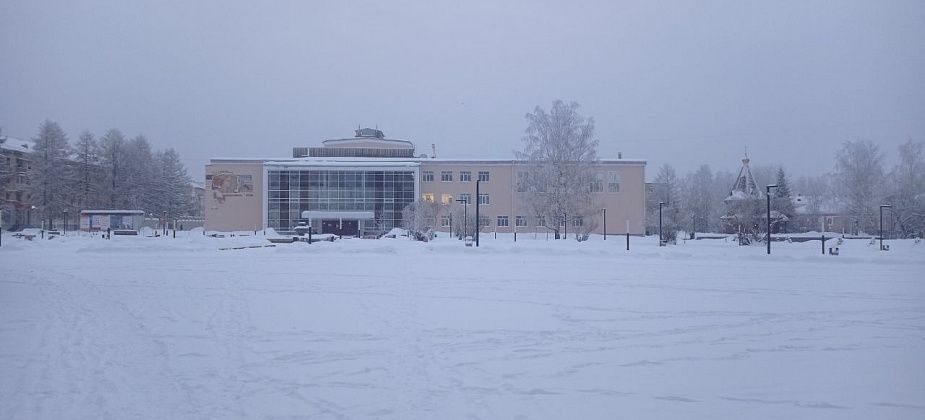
(464, 198)
(520, 221)
(597, 184)
(447, 176)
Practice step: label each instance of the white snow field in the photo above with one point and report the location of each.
(161, 328)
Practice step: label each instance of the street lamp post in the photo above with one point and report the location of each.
(660, 204)
(478, 202)
(882, 206)
(768, 190)
(605, 223)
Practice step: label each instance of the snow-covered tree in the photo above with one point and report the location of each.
(907, 192)
(142, 190)
(560, 151)
(463, 219)
(700, 200)
(419, 218)
(171, 191)
(6, 170)
(111, 158)
(782, 200)
(50, 173)
(89, 177)
(859, 180)
(673, 209)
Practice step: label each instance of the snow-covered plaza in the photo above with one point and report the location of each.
(138, 327)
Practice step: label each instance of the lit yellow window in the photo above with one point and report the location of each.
(446, 199)
(428, 198)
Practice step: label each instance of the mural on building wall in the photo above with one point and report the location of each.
(227, 184)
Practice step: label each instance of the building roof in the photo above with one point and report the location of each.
(136, 212)
(16, 145)
(365, 160)
(364, 137)
(745, 187)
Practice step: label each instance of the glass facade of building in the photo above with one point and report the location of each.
(385, 193)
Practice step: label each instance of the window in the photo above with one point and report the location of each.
(446, 199)
(465, 176)
(427, 176)
(521, 181)
(245, 184)
(578, 221)
(446, 176)
(520, 220)
(483, 176)
(428, 198)
(597, 184)
(502, 221)
(541, 220)
(483, 199)
(444, 221)
(484, 221)
(613, 182)
(466, 198)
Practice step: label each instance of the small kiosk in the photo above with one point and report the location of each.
(120, 221)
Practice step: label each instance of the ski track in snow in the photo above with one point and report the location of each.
(158, 328)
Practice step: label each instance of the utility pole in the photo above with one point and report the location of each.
(478, 199)
(768, 190)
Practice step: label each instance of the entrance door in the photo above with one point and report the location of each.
(336, 227)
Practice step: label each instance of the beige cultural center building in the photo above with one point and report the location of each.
(360, 185)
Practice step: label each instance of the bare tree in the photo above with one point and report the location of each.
(49, 174)
(142, 190)
(674, 204)
(89, 176)
(907, 192)
(463, 220)
(858, 180)
(560, 151)
(6, 169)
(112, 146)
(700, 200)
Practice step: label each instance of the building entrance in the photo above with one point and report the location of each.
(338, 227)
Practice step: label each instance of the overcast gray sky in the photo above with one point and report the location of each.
(685, 83)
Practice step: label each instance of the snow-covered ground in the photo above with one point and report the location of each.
(190, 327)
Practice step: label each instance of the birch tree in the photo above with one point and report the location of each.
(907, 195)
(560, 151)
(858, 180)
